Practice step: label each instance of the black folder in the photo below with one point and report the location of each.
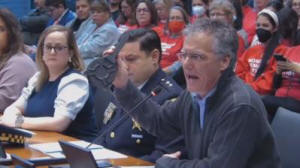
(13, 135)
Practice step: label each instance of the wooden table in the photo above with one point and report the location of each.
(44, 137)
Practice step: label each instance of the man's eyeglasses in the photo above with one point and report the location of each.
(192, 56)
(142, 10)
(57, 49)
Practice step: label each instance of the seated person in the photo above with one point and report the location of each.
(98, 36)
(257, 66)
(199, 9)
(126, 19)
(15, 67)
(163, 9)
(286, 84)
(114, 6)
(223, 121)
(83, 10)
(59, 13)
(172, 36)
(142, 53)
(225, 11)
(146, 14)
(57, 98)
(34, 23)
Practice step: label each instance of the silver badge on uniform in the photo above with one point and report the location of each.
(109, 111)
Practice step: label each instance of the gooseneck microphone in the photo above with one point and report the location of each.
(153, 93)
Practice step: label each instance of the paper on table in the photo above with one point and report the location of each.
(55, 147)
(106, 154)
(98, 154)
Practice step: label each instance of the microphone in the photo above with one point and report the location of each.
(153, 93)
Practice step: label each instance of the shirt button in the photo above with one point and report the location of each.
(112, 134)
(138, 141)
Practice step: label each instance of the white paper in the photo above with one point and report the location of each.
(56, 154)
(99, 152)
(55, 147)
(8, 158)
(106, 154)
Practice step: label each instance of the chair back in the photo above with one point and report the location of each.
(286, 127)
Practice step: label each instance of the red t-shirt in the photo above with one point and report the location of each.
(249, 63)
(170, 47)
(249, 22)
(290, 86)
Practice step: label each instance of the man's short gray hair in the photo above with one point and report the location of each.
(225, 39)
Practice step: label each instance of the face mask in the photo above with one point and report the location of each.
(176, 26)
(198, 10)
(263, 35)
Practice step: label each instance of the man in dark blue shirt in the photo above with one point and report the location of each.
(142, 54)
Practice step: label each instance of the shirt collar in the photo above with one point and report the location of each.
(198, 97)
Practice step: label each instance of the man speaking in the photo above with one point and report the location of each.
(223, 121)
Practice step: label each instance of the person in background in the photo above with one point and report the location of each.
(223, 121)
(224, 10)
(179, 3)
(257, 66)
(286, 84)
(199, 9)
(238, 20)
(146, 14)
(99, 35)
(172, 38)
(60, 14)
(288, 19)
(126, 19)
(295, 4)
(141, 53)
(114, 6)
(57, 97)
(34, 23)
(15, 67)
(250, 15)
(83, 11)
(275, 6)
(163, 8)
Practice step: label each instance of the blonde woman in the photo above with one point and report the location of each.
(57, 97)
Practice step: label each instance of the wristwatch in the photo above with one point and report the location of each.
(19, 121)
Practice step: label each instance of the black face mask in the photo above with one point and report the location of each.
(263, 35)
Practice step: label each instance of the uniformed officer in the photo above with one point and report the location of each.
(142, 53)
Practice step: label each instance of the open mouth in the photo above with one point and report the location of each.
(192, 77)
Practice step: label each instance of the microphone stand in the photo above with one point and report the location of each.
(154, 92)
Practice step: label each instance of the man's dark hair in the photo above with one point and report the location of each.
(55, 3)
(148, 39)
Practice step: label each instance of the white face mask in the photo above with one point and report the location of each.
(198, 10)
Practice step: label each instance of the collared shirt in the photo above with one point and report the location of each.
(201, 103)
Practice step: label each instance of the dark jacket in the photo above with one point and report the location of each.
(131, 139)
(33, 25)
(236, 133)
